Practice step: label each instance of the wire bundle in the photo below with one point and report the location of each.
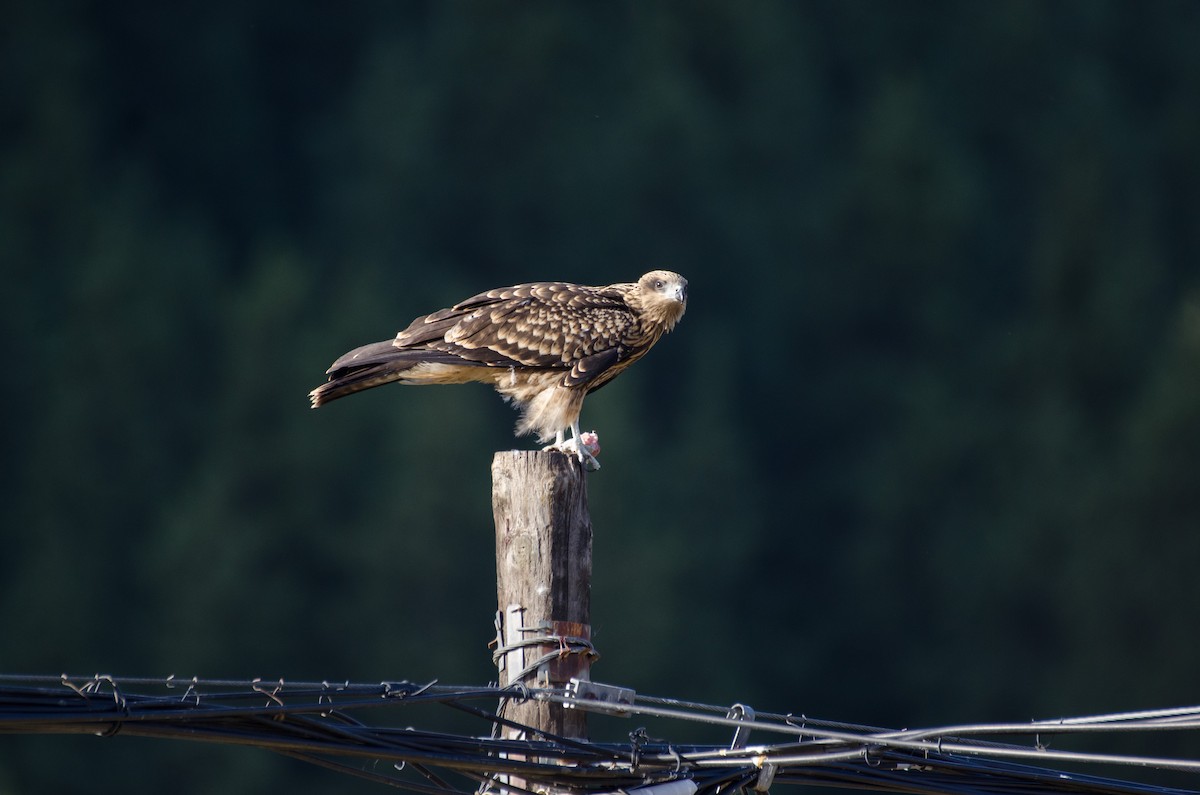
(318, 722)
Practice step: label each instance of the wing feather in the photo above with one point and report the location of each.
(585, 370)
(542, 325)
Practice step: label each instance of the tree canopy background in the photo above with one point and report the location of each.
(924, 449)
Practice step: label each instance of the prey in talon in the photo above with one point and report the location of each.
(586, 446)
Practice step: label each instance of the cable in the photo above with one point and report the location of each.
(319, 723)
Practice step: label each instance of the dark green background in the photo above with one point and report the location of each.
(924, 449)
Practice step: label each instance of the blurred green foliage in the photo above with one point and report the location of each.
(923, 450)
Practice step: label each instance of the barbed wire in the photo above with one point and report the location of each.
(319, 723)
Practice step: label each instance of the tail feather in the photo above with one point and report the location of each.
(357, 380)
(375, 365)
(364, 356)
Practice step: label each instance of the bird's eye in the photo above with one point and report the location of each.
(658, 284)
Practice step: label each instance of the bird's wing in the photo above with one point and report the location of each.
(546, 325)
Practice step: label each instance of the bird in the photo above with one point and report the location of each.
(544, 346)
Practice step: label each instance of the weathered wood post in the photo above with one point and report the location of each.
(543, 582)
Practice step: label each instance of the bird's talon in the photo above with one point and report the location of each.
(582, 452)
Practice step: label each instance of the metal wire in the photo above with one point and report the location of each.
(318, 723)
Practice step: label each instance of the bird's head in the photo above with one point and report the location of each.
(663, 297)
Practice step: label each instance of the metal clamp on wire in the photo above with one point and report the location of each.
(766, 777)
(595, 697)
(740, 712)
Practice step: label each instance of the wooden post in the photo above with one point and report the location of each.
(543, 581)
